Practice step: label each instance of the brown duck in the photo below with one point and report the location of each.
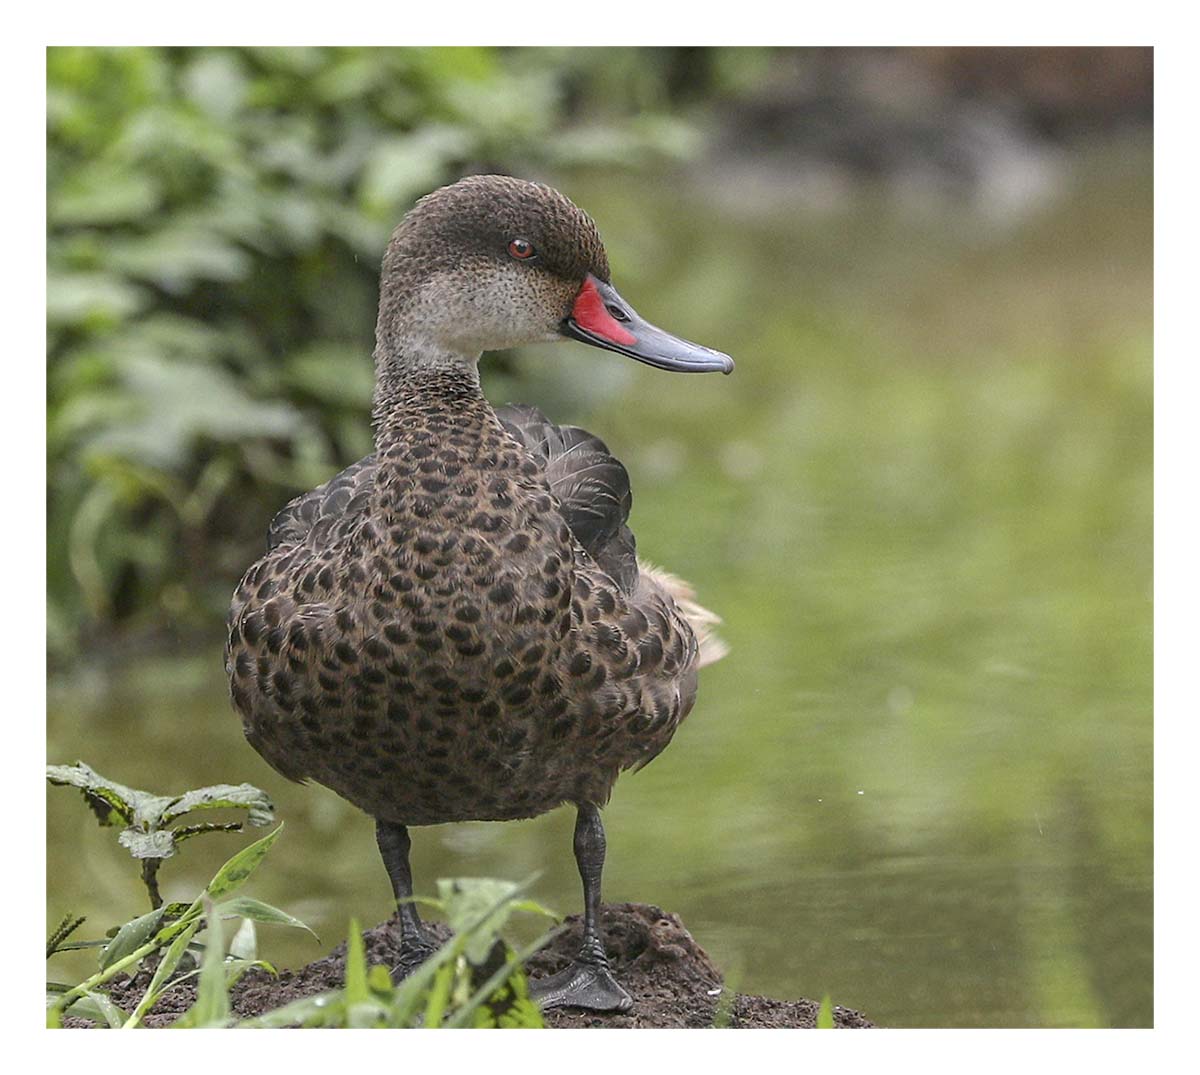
(457, 627)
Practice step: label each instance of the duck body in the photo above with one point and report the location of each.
(428, 636)
(457, 627)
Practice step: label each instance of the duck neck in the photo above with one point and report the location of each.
(419, 381)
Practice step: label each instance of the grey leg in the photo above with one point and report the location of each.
(588, 982)
(415, 945)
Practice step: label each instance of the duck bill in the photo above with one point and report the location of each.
(602, 318)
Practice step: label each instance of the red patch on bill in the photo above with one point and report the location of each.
(590, 314)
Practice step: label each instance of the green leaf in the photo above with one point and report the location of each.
(333, 374)
(212, 997)
(91, 298)
(235, 968)
(503, 1000)
(131, 936)
(180, 254)
(362, 1007)
(110, 802)
(230, 877)
(166, 966)
(224, 796)
(186, 832)
(478, 908)
(401, 168)
(159, 844)
(97, 1007)
(103, 193)
(181, 404)
(325, 1009)
(825, 1014)
(216, 82)
(244, 945)
(249, 908)
(380, 980)
(439, 995)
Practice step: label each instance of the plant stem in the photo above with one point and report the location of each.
(150, 877)
(65, 928)
(100, 977)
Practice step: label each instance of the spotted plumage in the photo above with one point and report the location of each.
(457, 627)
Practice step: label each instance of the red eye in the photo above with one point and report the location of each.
(521, 249)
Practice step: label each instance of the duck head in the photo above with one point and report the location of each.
(492, 262)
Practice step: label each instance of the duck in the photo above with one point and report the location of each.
(458, 627)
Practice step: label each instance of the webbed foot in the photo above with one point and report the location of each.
(581, 985)
(411, 958)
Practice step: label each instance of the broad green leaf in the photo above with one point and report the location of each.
(102, 193)
(250, 908)
(111, 802)
(478, 908)
(215, 81)
(181, 404)
(131, 936)
(332, 373)
(400, 168)
(91, 298)
(224, 796)
(179, 255)
(230, 877)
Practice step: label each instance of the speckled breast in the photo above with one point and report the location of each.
(410, 658)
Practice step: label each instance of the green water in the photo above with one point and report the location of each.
(921, 781)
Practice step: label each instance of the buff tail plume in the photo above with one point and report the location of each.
(702, 620)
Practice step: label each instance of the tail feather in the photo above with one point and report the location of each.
(702, 620)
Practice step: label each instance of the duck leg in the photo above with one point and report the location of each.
(415, 944)
(588, 982)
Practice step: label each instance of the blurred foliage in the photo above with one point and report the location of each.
(921, 780)
(923, 506)
(216, 218)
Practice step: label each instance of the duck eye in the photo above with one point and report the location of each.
(521, 249)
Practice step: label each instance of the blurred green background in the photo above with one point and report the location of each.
(921, 781)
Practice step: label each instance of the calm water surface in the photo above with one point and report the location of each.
(921, 781)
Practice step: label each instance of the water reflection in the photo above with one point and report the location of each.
(921, 781)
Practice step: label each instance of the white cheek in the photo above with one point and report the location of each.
(492, 311)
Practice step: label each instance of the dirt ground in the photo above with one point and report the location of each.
(671, 978)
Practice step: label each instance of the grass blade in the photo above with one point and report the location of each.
(212, 997)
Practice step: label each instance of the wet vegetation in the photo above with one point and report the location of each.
(921, 782)
(473, 980)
